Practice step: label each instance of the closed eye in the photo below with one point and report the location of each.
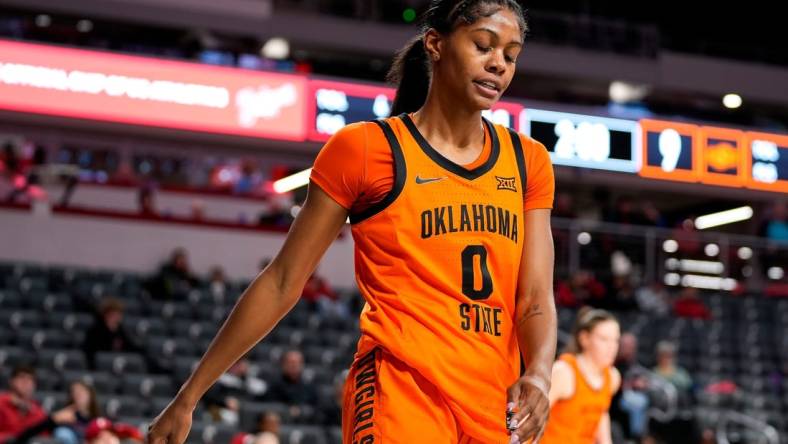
(483, 48)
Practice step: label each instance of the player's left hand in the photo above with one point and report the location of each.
(528, 407)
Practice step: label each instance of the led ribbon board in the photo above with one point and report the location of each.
(151, 92)
(767, 161)
(585, 141)
(336, 104)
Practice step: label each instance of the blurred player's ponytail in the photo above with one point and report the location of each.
(411, 68)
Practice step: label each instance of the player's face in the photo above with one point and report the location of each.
(602, 343)
(479, 60)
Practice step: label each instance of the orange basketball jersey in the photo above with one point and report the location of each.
(437, 261)
(576, 420)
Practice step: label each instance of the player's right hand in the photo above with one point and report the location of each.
(172, 425)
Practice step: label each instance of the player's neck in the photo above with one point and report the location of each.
(450, 125)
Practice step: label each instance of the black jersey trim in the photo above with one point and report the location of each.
(400, 173)
(448, 164)
(520, 156)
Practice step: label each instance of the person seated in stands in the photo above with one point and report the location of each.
(266, 431)
(690, 305)
(107, 333)
(70, 422)
(776, 227)
(174, 279)
(104, 431)
(319, 294)
(653, 299)
(290, 388)
(18, 408)
(330, 409)
(224, 398)
(217, 284)
(669, 370)
(630, 405)
(581, 289)
(145, 200)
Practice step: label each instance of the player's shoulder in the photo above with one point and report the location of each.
(615, 378)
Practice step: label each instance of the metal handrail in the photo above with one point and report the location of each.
(770, 433)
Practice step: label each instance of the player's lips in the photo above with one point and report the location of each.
(487, 87)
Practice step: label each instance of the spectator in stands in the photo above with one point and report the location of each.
(689, 243)
(291, 389)
(266, 431)
(103, 431)
(330, 409)
(776, 228)
(581, 289)
(107, 333)
(668, 369)
(653, 299)
(622, 294)
(626, 213)
(650, 214)
(320, 295)
(224, 398)
(18, 408)
(70, 422)
(145, 200)
(217, 284)
(250, 178)
(630, 405)
(174, 279)
(689, 305)
(564, 206)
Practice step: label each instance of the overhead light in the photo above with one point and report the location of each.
(732, 101)
(624, 92)
(745, 253)
(43, 20)
(84, 26)
(584, 238)
(670, 246)
(723, 217)
(775, 273)
(672, 279)
(711, 250)
(292, 182)
(276, 48)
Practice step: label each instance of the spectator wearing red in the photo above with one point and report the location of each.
(18, 409)
(689, 305)
(581, 289)
(104, 431)
(319, 294)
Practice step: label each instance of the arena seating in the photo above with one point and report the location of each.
(45, 311)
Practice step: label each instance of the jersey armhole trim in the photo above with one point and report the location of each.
(520, 156)
(399, 176)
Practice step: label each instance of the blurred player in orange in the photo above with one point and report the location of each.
(450, 215)
(584, 382)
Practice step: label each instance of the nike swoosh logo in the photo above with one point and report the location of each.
(421, 181)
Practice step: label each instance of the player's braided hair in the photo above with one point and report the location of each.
(411, 69)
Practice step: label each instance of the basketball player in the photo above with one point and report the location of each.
(453, 252)
(584, 382)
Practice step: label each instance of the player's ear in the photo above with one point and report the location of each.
(433, 44)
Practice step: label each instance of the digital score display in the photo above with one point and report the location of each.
(767, 161)
(670, 150)
(336, 104)
(585, 141)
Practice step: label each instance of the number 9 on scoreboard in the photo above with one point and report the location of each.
(670, 151)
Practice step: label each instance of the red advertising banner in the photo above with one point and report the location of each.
(151, 92)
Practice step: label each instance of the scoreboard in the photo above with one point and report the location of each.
(585, 141)
(727, 157)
